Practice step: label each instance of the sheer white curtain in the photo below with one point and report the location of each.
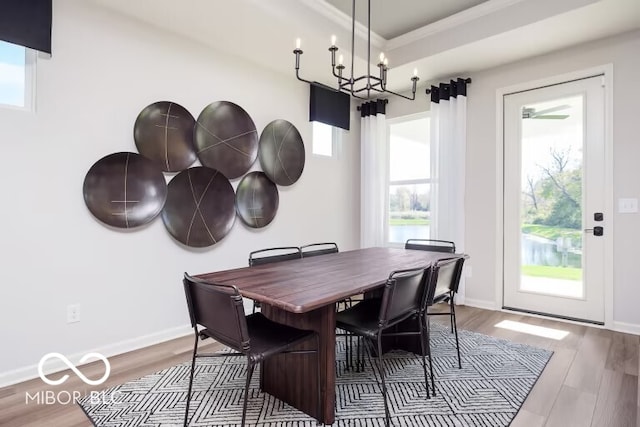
(449, 136)
(373, 172)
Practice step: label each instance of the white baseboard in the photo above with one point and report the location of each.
(627, 328)
(30, 372)
(478, 303)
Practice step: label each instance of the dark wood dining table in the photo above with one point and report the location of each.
(303, 293)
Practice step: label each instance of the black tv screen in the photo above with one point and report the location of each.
(329, 106)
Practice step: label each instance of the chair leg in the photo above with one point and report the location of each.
(428, 335)
(451, 312)
(455, 328)
(193, 367)
(424, 363)
(250, 367)
(384, 385)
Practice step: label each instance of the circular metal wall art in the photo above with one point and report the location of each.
(200, 209)
(226, 139)
(281, 152)
(124, 190)
(164, 133)
(257, 200)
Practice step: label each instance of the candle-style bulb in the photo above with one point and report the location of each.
(381, 56)
(298, 43)
(340, 59)
(333, 40)
(415, 72)
(386, 62)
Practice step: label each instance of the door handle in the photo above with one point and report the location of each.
(597, 231)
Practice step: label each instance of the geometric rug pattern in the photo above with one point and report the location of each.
(494, 381)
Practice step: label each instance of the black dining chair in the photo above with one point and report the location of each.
(442, 287)
(269, 255)
(217, 312)
(403, 297)
(432, 245)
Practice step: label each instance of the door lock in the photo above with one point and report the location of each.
(597, 231)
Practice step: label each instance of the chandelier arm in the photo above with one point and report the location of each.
(401, 95)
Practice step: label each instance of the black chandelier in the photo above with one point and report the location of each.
(368, 83)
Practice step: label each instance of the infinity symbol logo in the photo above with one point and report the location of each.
(74, 369)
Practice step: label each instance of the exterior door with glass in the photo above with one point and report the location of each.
(554, 219)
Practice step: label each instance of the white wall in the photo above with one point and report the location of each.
(483, 171)
(105, 68)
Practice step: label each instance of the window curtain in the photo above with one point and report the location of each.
(27, 23)
(449, 135)
(373, 171)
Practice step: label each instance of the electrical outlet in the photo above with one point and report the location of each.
(73, 313)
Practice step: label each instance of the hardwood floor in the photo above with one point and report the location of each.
(591, 380)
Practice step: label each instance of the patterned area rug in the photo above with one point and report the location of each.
(495, 379)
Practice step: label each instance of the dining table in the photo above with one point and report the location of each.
(303, 293)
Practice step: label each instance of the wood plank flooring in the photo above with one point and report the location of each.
(591, 380)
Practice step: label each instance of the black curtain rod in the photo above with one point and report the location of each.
(467, 80)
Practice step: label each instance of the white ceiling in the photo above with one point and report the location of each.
(488, 34)
(391, 19)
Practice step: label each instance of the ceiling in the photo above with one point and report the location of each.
(389, 21)
(467, 36)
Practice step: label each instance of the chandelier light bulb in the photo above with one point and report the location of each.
(381, 56)
(340, 59)
(333, 40)
(298, 43)
(386, 62)
(415, 72)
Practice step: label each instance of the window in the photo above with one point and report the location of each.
(16, 76)
(324, 139)
(409, 180)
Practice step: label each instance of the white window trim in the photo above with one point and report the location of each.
(337, 135)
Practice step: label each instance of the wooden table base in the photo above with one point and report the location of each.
(292, 377)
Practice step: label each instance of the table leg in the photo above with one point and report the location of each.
(292, 377)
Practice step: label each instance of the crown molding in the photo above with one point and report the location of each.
(342, 19)
(449, 22)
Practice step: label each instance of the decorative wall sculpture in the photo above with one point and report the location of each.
(163, 132)
(257, 199)
(200, 207)
(124, 190)
(282, 152)
(226, 139)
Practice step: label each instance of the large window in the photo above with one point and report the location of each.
(409, 180)
(16, 76)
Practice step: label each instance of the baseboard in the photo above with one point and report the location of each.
(627, 328)
(54, 365)
(478, 303)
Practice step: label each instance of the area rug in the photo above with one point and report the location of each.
(494, 381)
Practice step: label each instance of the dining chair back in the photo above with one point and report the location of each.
(315, 249)
(432, 245)
(269, 255)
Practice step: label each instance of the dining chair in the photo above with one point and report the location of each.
(269, 255)
(216, 311)
(444, 280)
(432, 245)
(403, 297)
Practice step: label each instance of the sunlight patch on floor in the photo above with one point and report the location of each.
(526, 328)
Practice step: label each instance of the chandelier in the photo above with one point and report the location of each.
(364, 84)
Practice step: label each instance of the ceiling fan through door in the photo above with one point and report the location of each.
(531, 113)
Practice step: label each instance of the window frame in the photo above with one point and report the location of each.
(430, 181)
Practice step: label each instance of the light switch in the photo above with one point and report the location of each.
(627, 205)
